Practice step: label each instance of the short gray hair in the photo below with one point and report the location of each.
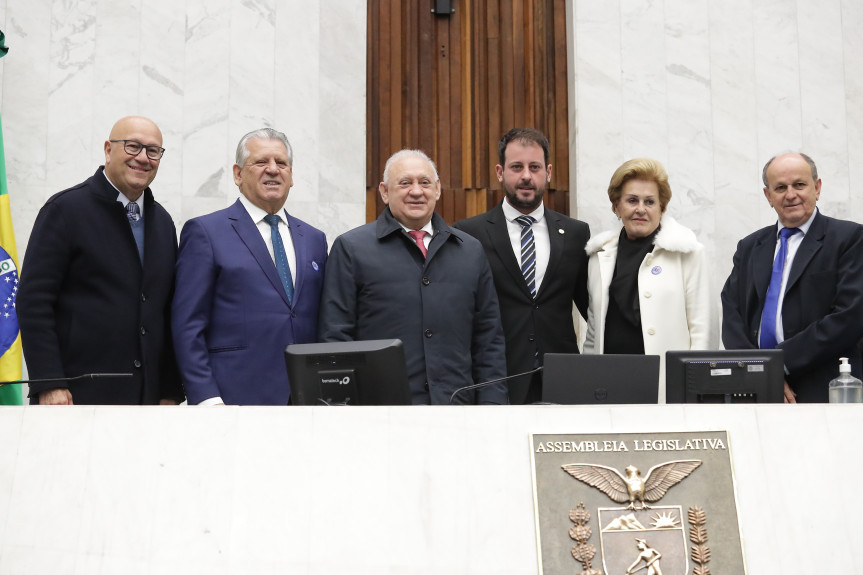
(263, 134)
(808, 160)
(404, 153)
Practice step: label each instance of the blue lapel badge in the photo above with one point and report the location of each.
(656, 270)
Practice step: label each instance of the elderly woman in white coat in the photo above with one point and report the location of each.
(649, 283)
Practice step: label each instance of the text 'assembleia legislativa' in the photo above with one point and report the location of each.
(635, 445)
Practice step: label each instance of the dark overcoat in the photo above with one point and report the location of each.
(443, 307)
(86, 304)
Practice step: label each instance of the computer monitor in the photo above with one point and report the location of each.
(725, 376)
(369, 372)
(580, 379)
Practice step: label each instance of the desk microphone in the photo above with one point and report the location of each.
(491, 382)
(68, 379)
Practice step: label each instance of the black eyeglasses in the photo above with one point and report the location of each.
(134, 147)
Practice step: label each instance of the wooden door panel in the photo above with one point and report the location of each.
(452, 85)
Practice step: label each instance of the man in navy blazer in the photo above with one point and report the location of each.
(820, 317)
(249, 281)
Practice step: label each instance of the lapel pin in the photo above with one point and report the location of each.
(315, 265)
(656, 270)
(560, 231)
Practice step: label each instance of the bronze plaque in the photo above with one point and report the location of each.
(651, 503)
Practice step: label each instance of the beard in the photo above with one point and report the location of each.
(518, 203)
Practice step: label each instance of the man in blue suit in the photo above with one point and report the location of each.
(249, 281)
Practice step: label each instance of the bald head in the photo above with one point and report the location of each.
(130, 123)
(132, 174)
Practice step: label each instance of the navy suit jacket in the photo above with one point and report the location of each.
(822, 313)
(545, 325)
(231, 316)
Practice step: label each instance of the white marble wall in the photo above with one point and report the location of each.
(206, 72)
(713, 90)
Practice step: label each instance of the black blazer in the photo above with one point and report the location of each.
(822, 313)
(545, 325)
(86, 304)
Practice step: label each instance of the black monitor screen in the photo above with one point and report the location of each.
(725, 376)
(348, 373)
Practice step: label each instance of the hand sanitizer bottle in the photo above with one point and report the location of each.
(846, 388)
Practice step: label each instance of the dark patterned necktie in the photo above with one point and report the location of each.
(133, 212)
(281, 257)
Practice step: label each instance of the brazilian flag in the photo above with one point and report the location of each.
(10, 339)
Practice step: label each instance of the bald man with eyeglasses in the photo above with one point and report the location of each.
(97, 281)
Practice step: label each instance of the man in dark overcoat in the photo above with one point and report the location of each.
(97, 281)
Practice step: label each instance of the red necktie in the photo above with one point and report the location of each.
(418, 236)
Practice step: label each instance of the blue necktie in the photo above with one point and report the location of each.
(528, 253)
(280, 256)
(771, 302)
(133, 213)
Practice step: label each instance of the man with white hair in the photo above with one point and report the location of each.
(248, 284)
(410, 276)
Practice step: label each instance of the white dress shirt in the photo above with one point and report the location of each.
(121, 197)
(428, 229)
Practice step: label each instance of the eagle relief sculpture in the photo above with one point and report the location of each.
(632, 487)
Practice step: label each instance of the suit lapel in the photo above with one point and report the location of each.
(761, 264)
(251, 237)
(810, 245)
(556, 240)
(296, 229)
(498, 233)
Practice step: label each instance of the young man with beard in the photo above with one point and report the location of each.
(537, 259)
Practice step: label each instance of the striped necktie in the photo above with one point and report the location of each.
(528, 253)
